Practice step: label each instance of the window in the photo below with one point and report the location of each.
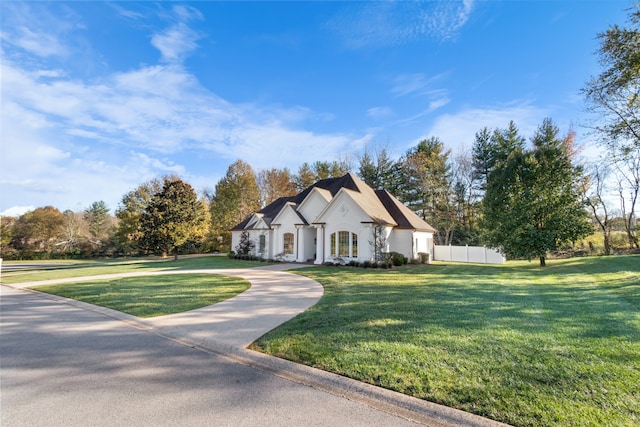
(262, 244)
(333, 244)
(354, 245)
(288, 243)
(344, 244)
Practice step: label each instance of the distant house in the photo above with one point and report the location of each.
(336, 219)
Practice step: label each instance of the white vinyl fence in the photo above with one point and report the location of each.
(478, 254)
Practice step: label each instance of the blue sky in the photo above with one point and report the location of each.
(97, 98)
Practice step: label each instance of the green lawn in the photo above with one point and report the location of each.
(515, 343)
(92, 268)
(151, 296)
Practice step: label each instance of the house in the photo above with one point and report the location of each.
(336, 220)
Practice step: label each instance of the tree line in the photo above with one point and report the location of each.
(526, 197)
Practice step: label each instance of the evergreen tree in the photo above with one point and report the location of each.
(532, 203)
(305, 177)
(378, 173)
(98, 222)
(173, 218)
(426, 186)
(130, 209)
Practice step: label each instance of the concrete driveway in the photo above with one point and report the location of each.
(66, 363)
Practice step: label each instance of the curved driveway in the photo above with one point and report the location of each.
(69, 363)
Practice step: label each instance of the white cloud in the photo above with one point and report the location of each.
(37, 31)
(461, 127)
(16, 211)
(392, 23)
(175, 43)
(69, 141)
(178, 41)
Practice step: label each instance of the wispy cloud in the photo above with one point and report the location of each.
(417, 84)
(37, 31)
(391, 23)
(379, 112)
(460, 127)
(179, 40)
(73, 136)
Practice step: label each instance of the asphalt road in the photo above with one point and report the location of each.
(61, 365)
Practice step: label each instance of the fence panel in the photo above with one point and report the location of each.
(478, 254)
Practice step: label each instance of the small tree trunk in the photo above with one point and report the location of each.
(607, 243)
(175, 254)
(543, 261)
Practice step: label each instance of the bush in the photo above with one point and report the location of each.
(424, 257)
(231, 254)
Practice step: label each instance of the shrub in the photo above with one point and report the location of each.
(231, 254)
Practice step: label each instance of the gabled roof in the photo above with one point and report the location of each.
(293, 207)
(269, 212)
(379, 205)
(403, 216)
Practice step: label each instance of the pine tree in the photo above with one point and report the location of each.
(533, 205)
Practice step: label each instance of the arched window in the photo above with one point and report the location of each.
(344, 244)
(288, 244)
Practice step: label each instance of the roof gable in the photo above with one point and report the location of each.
(403, 216)
(289, 209)
(314, 203)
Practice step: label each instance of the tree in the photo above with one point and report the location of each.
(245, 245)
(173, 217)
(614, 95)
(595, 189)
(466, 199)
(98, 222)
(378, 172)
(236, 197)
(426, 186)
(614, 98)
(129, 212)
(275, 183)
(532, 204)
(6, 236)
(627, 172)
(482, 158)
(309, 174)
(38, 230)
(73, 231)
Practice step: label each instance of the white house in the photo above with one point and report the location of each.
(336, 219)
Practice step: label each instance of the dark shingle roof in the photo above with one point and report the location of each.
(403, 216)
(379, 204)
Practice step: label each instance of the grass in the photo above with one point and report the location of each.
(91, 268)
(151, 296)
(515, 343)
